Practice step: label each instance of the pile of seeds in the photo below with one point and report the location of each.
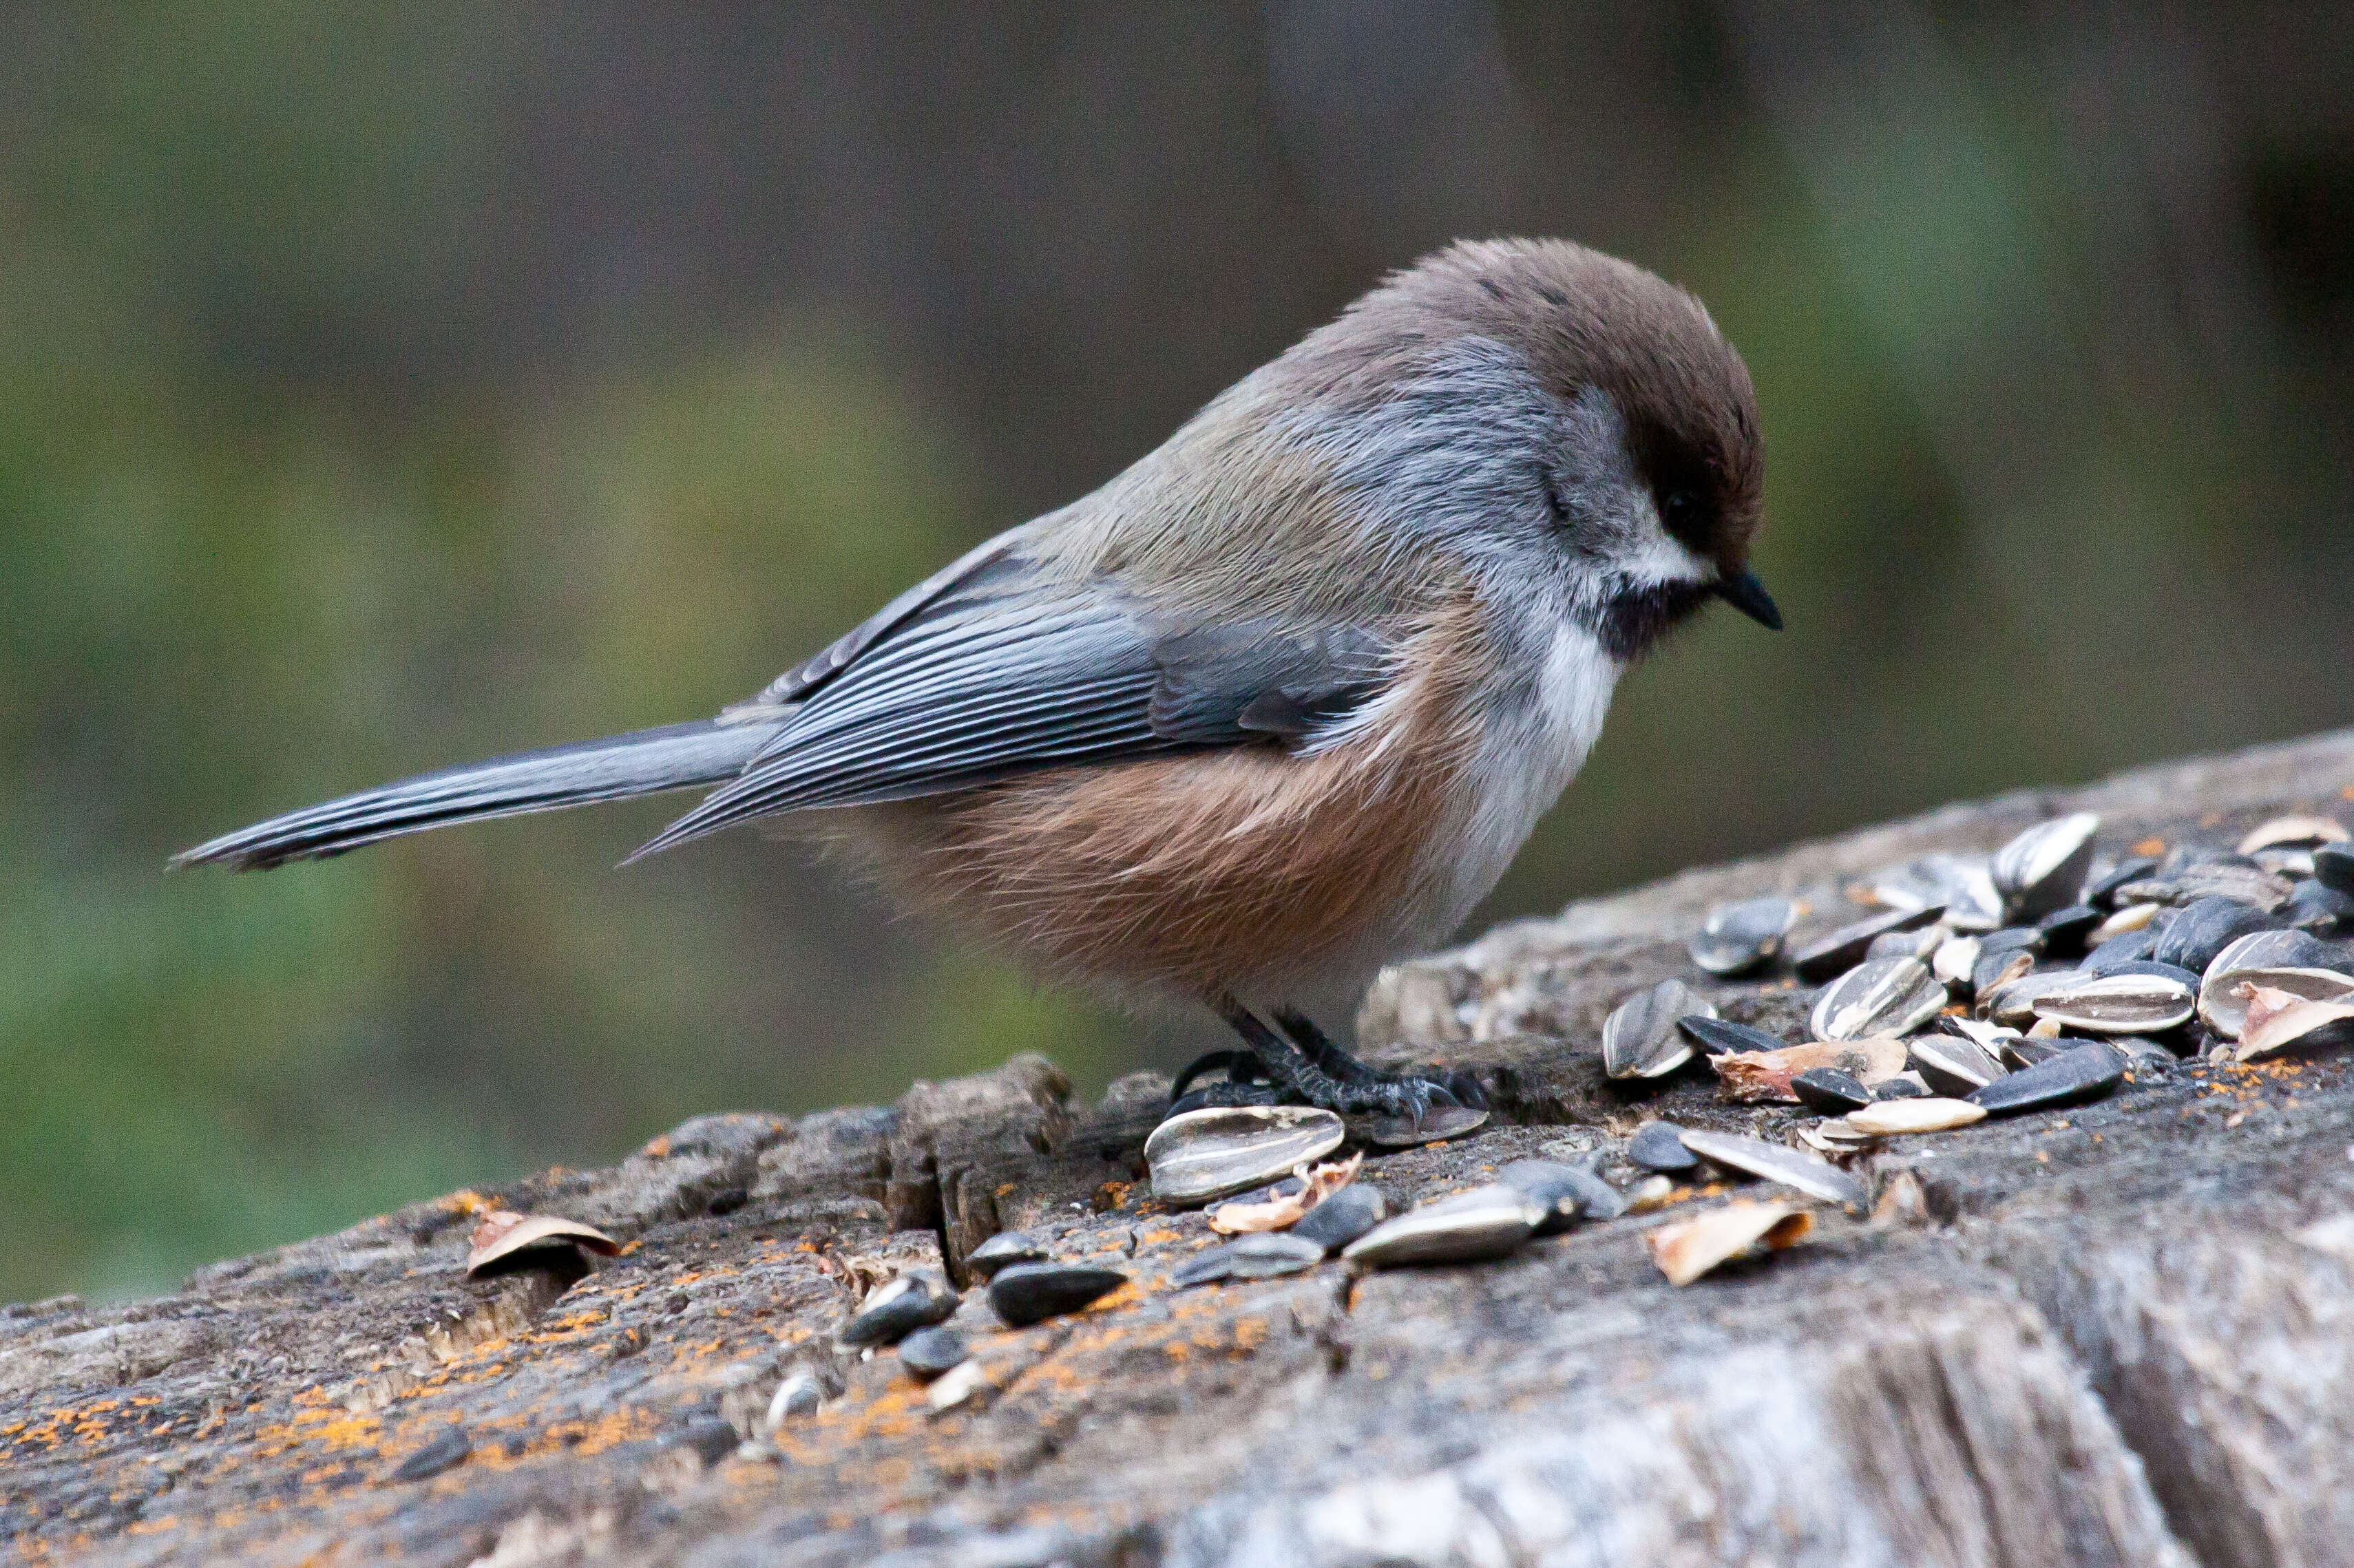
(911, 1312)
(2029, 980)
(2032, 979)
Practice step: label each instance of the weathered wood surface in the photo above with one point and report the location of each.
(2089, 1337)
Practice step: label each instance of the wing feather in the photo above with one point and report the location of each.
(999, 671)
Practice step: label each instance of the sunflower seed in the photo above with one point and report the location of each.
(1268, 1253)
(1639, 1039)
(1829, 1092)
(2144, 1057)
(2323, 911)
(1437, 1124)
(2250, 884)
(1738, 937)
(2043, 868)
(1901, 1117)
(2086, 1073)
(2333, 867)
(1003, 1249)
(1953, 961)
(1210, 1153)
(2131, 919)
(2066, 931)
(2300, 1026)
(1961, 883)
(1834, 1139)
(1689, 1248)
(2012, 939)
(1659, 1145)
(446, 1451)
(2199, 932)
(955, 1387)
(1886, 996)
(1998, 969)
(2022, 1051)
(1716, 1035)
(2101, 894)
(1989, 1038)
(2295, 832)
(2132, 947)
(2224, 1008)
(503, 1236)
(2014, 1004)
(1560, 1191)
(1776, 1162)
(800, 1394)
(1598, 1198)
(929, 1352)
(1921, 944)
(1207, 1266)
(1953, 1066)
(1027, 1293)
(913, 1300)
(1344, 1217)
(2282, 950)
(2121, 1004)
(1649, 1193)
(1477, 1226)
(1841, 950)
(2290, 864)
(1904, 1086)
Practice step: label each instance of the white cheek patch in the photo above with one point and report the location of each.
(1660, 558)
(1629, 535)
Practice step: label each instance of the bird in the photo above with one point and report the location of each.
(1274, 706)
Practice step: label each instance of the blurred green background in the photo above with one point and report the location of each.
(385, 387)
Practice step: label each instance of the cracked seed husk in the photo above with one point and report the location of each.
(1895, 1118)
(1474, 1227)
(1738, 937)
(1688, 1249)
(1640, 1040)
(2043, 868)
(1836, 953)
(1953, 1065)
(1886, 996)
(1777, 1162)
(1214, 1152)
(2223, 1005)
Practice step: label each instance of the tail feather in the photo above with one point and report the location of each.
(642, 762)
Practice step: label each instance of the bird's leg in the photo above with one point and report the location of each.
(1441, 1087)
(1246, 1083)
(1309, 1068)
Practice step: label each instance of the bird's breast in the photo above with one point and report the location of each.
(1535, 730)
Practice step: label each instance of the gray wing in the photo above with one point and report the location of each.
(803, 679)
(999, 671)
(1227, 685)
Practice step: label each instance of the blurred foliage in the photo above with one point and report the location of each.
(381, 389)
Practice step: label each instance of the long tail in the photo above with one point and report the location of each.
(642, 762)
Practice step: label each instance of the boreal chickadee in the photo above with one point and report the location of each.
(1278, 704)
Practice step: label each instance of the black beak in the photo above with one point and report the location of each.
(1744, 593)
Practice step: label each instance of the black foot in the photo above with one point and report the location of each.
(1246, 1084)
(1307, 1068)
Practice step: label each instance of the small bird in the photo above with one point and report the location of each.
(1275, 706)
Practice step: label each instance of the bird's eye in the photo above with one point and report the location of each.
(1554, 502)
(1676, 509)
